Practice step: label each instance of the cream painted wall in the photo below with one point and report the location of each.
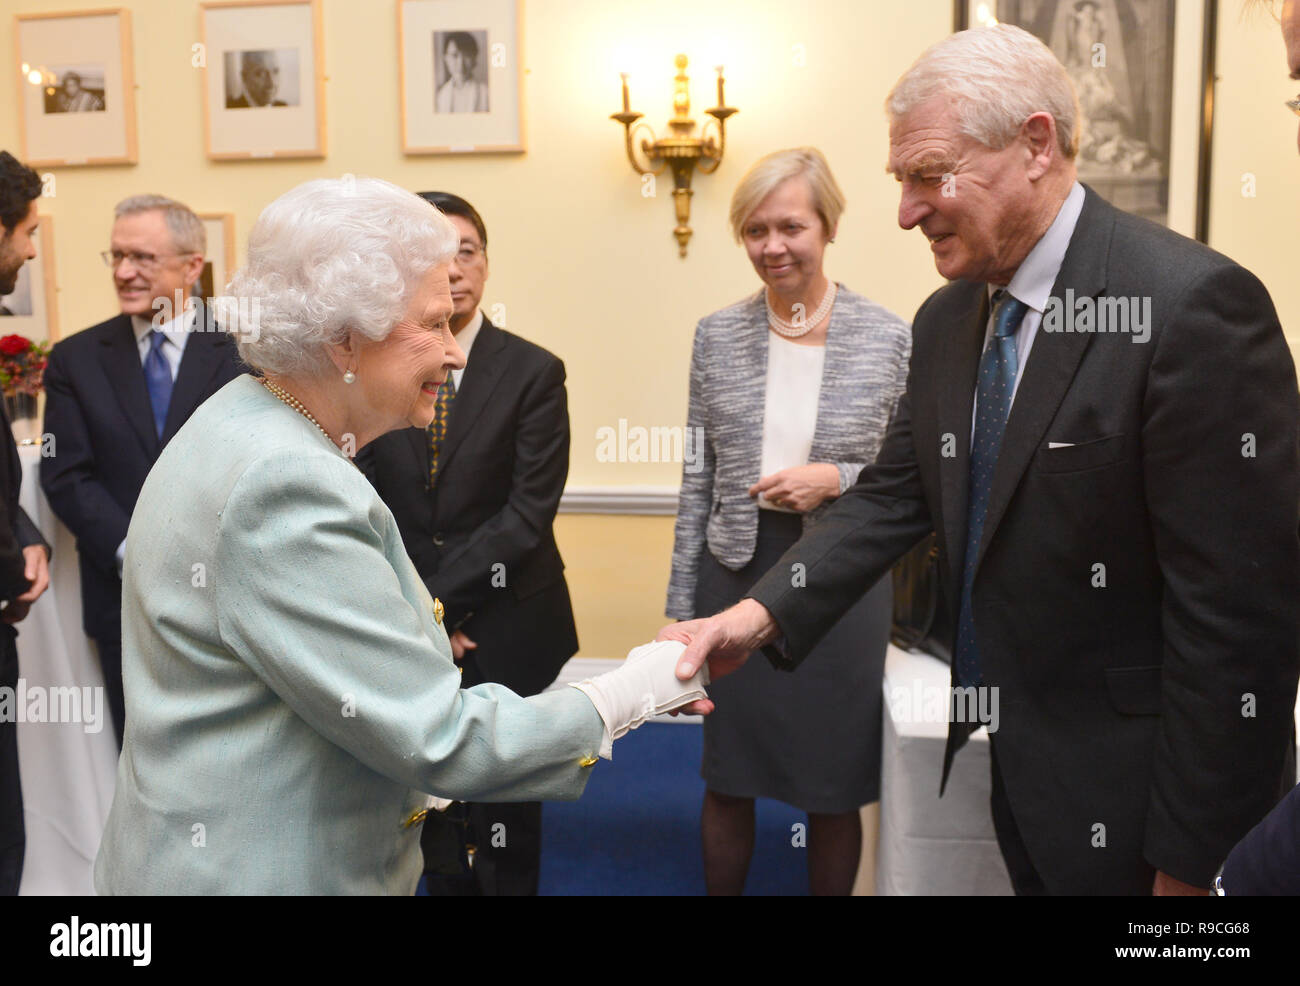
(583, 263)
(1255, 138)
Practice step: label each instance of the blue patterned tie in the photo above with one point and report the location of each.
(997, 381)
(158, 379)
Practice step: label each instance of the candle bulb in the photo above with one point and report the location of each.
(721, 101)
(623, 76)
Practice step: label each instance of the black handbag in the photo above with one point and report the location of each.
(919, 621)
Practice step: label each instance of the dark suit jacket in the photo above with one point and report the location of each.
(501, 471)
(97, 410)
(1267, 860)
(16, 532)
(1158, 706)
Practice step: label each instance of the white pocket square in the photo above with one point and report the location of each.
(1060, 444)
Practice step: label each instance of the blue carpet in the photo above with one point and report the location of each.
(636, 829)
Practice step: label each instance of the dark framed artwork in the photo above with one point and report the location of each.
(1144, 74)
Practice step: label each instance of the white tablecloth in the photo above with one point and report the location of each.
(932, 845)
(67, 773)
(928, 844)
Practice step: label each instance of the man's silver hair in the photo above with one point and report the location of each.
(188, 235)
(994, 78)
(330, 257)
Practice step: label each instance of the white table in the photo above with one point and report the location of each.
(68, 773)
(931, 845)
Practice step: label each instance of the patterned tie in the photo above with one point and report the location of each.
(438, 426)
(997, 380)
(158, 379)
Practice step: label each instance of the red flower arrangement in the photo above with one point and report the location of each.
(22, 365)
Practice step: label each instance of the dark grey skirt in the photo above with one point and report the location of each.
(811, 737)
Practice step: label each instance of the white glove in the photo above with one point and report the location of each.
(645, 686)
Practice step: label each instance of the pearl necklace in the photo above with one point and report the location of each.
(293, 402)
(791, 331)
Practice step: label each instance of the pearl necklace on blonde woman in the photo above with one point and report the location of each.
(791, 330)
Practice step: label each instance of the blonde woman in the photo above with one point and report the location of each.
(792, 387)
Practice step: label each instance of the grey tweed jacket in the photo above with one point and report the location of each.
(867, 352)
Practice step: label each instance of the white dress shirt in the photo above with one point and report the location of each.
(1032, 283)
(175, 334)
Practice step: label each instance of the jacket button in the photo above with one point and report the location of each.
(437, 539)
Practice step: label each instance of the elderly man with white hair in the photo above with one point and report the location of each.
(292, 700)
(1100, 425)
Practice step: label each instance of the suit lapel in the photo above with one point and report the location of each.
(960, 362)
(205, 353)
(482, 373)
(1053, 360)
(418, 440)
(121, 362)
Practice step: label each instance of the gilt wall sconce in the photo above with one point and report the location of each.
(682, 151)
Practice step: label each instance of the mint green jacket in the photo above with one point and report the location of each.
(289, 695)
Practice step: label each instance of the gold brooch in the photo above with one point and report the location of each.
(438, 611)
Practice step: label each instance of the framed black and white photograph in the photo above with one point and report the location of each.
(261, 77)
(76, 101)
(264, 91)
(1143, 72)
(31, 309)
(77, 89)
(461, 76)
(460, 72)
(219, 262)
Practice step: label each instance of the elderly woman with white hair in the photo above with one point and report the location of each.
(293, 703)
(791, 390)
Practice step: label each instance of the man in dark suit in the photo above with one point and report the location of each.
(116, 394)
(475, 497)
(1106, 448)
(24, 555)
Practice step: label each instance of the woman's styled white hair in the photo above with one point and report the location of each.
(995, 78)
(329, 257)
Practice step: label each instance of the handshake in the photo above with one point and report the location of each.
(670, 675)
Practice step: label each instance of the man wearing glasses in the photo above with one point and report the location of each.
(116, 394)
(475, 496)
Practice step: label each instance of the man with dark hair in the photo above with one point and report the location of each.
(116, 393)
(475, 497)
(24, 555)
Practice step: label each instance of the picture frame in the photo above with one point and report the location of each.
(461, 76)
(33, 306)
(219, 262)
(76, 88)
(263, 79)
(1148, 108)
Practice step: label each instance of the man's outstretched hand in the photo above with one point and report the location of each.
(725, 641)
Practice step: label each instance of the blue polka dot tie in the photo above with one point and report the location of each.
(997, 381)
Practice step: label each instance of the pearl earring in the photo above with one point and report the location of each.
(349, 377)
